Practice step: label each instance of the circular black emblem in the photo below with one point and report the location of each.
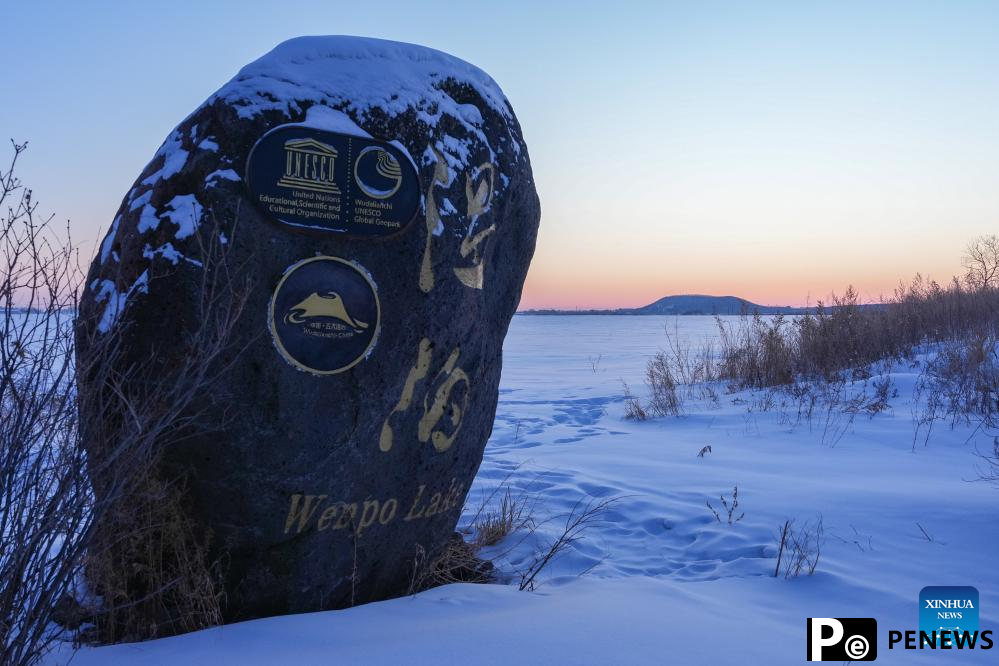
(324, 315)
(338, 183)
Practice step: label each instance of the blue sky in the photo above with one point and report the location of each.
(772, 150)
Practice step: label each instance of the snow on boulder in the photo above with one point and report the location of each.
(374, 205)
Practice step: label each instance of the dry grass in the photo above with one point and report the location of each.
(814, 361)
(494, 522)
(665, 398)
(673, 375)
(843, 341)
(633, 408)
(457, 562)
(513, 513)
(153, 570)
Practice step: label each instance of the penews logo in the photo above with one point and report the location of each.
(842, 639)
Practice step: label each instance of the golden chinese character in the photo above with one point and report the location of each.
(433, 219)
(478, 201)
(448, 380)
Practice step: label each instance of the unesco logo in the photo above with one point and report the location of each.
(842, 639)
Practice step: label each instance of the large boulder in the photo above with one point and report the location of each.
(360, 381)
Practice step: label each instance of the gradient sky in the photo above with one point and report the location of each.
(771, 150)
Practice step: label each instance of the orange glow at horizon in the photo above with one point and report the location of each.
(605, 282)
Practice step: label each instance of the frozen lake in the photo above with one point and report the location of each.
(658, 579)
(619, 344)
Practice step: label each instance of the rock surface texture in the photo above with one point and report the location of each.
(364, 369)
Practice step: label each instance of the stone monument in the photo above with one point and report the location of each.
(378, 199)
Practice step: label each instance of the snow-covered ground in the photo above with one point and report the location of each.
(659, 580)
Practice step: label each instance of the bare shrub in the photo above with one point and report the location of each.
(62, 511)
(711, 396)
(45, 500)
(827, 407)
(981, 262)
(805, 399)
(989, 469)
(863, 542)
(150, 567)
(960, 383)
(728, 507)
(581, 517)
(841, 409)
(882, 394)
(798, 548)
(595, 363)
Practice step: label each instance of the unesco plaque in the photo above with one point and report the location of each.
(314, 179)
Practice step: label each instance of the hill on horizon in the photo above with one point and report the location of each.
(701, 304)
(690, 304)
